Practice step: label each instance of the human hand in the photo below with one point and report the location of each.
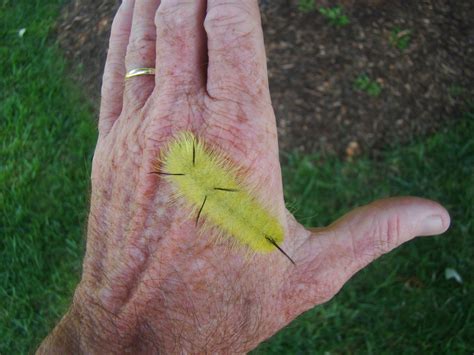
(150, 283)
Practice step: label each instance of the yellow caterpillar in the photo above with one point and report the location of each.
(208, 182)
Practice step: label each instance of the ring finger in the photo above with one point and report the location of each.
(141, 52)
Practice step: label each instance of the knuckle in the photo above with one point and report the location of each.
(174, 13)
(137, 93)
(386, 234)
(392, 232)
(232, 89)
(141, 47)
(362, 248)
(373, 238)
(235, 19)
(227, 89)
(113, 75)
(180, 85)
(119, 26)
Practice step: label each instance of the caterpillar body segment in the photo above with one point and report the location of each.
(209, 183)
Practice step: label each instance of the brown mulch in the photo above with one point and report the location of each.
(313, 66)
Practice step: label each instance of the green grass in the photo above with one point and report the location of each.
(335, 15)
(47, 136)
(401, 303)
(365, 84)
(400, 39)
(456, 91)
(306, 5)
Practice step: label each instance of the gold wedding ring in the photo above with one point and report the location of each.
(140, 71)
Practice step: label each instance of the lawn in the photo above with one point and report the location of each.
(401, 303)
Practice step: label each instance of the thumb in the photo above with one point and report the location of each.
(331, 255)
(370, 231)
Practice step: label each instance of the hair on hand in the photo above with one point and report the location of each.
(209, 183)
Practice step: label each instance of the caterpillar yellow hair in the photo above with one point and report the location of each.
(209, 184)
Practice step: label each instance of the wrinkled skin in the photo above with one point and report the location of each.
(150, 282)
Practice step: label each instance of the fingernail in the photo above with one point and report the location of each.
(431, 225)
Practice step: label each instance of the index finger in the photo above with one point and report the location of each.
(237, 60)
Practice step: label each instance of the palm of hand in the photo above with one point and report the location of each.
(148, 276)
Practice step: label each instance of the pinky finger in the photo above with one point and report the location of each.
(114, 72)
